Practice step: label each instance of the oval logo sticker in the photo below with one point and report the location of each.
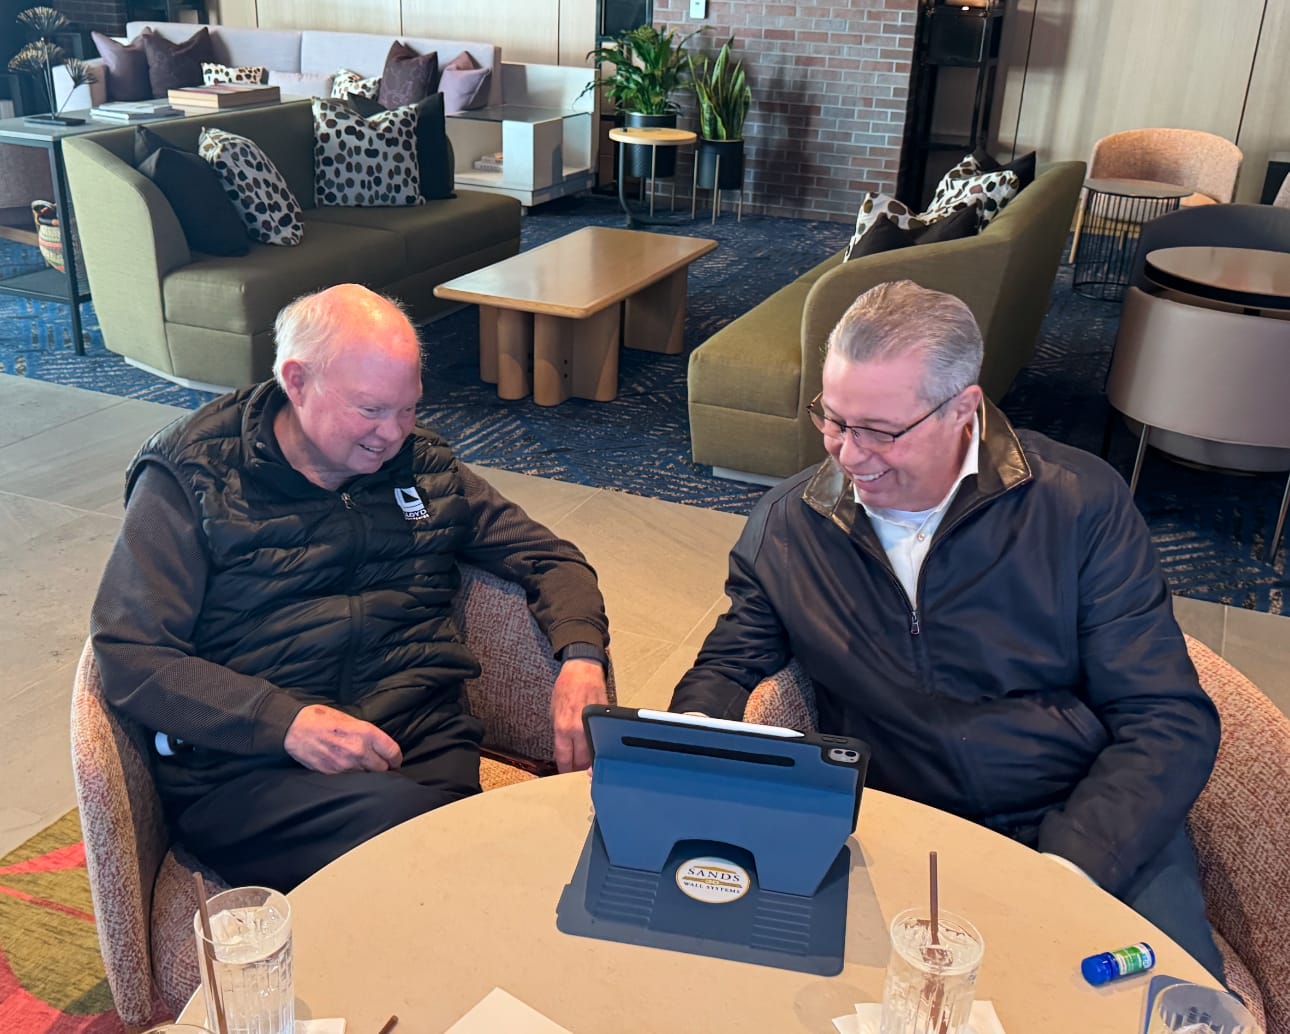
(714, 881)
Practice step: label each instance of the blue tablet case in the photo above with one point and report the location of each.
(668, 793)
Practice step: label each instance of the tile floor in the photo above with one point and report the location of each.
(63, 453)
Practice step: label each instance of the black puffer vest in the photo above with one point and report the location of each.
(341, 597)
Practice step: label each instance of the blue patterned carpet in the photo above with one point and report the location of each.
(1210, 528)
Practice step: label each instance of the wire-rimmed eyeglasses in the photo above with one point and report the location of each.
(864, 437)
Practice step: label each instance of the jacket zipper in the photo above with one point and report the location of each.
(355, 615)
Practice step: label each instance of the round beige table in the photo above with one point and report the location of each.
(652, 137)
(425, 920)
(1251, 278)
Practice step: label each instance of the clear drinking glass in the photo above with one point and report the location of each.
(177, 1028)
(930, 987)
(251, 942)
(1193, 1009)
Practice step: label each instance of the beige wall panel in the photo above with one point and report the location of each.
(526, 30)
(1267, 112)
(577, 30)
(335, 15)
(234, 12)
(1100, 66)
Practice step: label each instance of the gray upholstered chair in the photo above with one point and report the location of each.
(141, 881)
(1215, 226)
(1240, 824)
(1205, 374)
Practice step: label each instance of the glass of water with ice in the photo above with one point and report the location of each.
(930, 986)
(250, 946)
(1193, 1009)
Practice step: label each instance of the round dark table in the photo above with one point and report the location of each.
(1247, 277)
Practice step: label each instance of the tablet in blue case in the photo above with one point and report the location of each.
(717, 838)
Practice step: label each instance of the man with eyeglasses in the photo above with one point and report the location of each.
(984, 607)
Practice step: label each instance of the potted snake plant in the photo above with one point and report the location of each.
(650, 66)
(724, 98)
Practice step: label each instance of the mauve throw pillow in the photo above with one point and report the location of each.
(408, 77)
(196, 193)
(172, 65)
(434, 157)
(464, 90)
(125, 68)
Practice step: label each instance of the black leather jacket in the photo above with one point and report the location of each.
(1038, 684)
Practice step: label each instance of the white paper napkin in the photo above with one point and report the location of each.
(500, 1011)
(983, 1020)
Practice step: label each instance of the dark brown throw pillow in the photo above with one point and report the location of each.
(434, 155)
(886, 235)
(408, 77)
(196, 194)
(1024, 166)
(125, 68)
(172, 65)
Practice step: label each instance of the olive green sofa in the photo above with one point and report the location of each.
(207, 321)
(749, 384)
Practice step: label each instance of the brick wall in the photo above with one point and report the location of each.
(830, 84)
(106, 16)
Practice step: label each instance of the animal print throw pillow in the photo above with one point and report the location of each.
(213, 73)
(872, 206)
(366, 162)
(255, 186)
(347, 82)
(988, 190)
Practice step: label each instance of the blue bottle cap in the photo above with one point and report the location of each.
(1098, 969)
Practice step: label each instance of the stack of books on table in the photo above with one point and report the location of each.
(489, 162)
(134, 111)
(223, 95)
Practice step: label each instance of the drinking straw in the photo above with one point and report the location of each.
(388, 1025)
(936, 924)
(208, 954)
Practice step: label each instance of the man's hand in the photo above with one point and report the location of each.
(330, 741)
(580, 682)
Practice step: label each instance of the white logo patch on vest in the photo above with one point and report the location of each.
(410, 503)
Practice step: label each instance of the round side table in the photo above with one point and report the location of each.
(653, 138)
(1114, 210)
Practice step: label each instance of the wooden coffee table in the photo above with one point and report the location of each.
(550, 319)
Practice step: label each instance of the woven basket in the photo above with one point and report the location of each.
(49, 234)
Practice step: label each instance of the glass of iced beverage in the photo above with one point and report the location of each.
(251, 947)
(1193, 1009)
(930, 986)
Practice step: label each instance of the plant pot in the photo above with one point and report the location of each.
(637, 157)
(731, 153)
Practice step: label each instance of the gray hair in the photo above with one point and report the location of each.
(900, 318)
(307, 329)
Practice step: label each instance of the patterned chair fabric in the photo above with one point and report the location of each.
(142, 883)
(1282, 200)
(1241, 828)
(1240, 824)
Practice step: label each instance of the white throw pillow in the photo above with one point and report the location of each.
(949, 183)
(255, 186)
(302, 84)
(989, 190)
(347, 82)
(365, 162)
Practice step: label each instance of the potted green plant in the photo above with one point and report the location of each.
(724, 98)
(650, 66)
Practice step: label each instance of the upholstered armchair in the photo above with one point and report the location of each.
(1240, 824)
(1203, 162)
(142, 882)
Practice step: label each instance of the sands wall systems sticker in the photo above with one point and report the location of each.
(714, 881)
